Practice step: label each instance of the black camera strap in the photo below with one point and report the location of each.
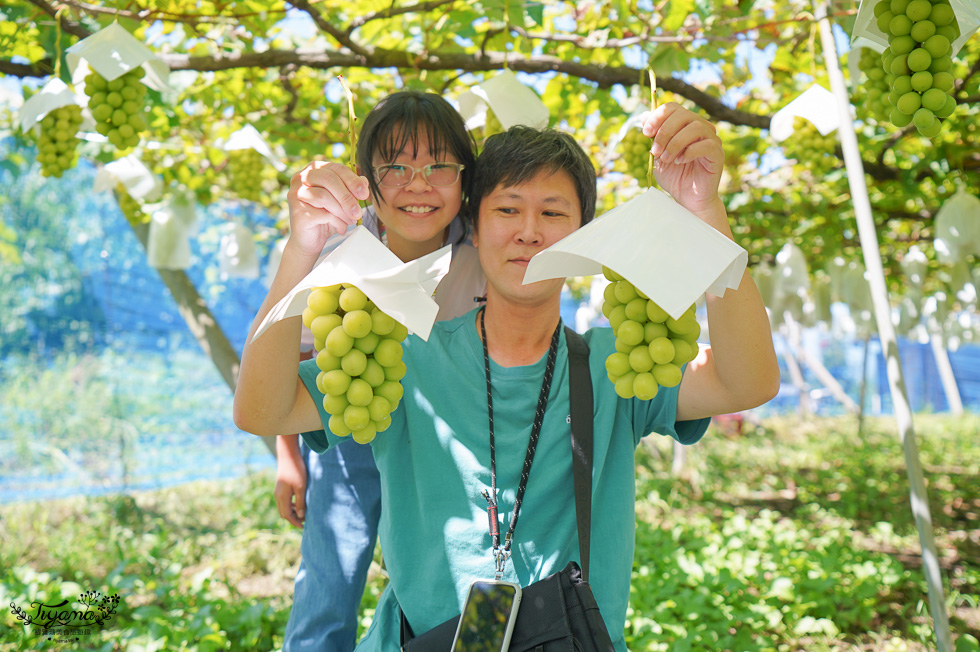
(580, 403)
(501, 555)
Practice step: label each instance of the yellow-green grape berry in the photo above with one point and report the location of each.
(624, 385)
(374, 373)
(922, 30)
(934, 99)
(919, 59)
(630, 333)
(918, 10)
(360, 392)
(368, 343)
(366, 434)
(616, 317)
(335, 403)
(661, 350)
(391, 390)
(338, 342)
(396, 372)
(323, 301)
(319, 382)
(245, 168)
(609, 295)
(640, 360)
(57, 144)
(354, 362)
(336, 382)
(356, 416)
(655, 313)
(338, 425)
(668, 375)
(357, 323)
(922, 81)
(379, 408)
(942, 15)
(327, 362)
(683, 325)
(611, 275)
(909, 103)
(388, 353)
(398, 333)
(383, 424)
(323, 325)
(948, 108)
(636, 155)
(684, 351)
(900, 119)
(645, 386)
(308, 316)
(617, 364)
(352, 299)
(382, 323)
(622, 347)
(624, 291)
(926, 123)
(653, 330)
(636, 310)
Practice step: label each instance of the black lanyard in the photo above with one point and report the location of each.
(500, 556)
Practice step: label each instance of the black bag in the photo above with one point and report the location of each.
(559, 612)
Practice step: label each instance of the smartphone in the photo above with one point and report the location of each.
(488, 617)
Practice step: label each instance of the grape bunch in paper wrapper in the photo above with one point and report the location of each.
(117, 106)
(651, 346)
(359, 354)
(57, 144)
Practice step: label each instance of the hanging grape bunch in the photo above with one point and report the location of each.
(636, 155)
(117, 106)
(359, 354)
(245, 171)
(877, 86)
(918, 61)
(57, 143)
(808, 145)
(131, 209)
(651, 346)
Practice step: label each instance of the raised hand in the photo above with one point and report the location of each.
(688, 153)
(323, 200)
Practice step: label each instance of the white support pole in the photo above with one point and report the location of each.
(950, 388)
(886, 332)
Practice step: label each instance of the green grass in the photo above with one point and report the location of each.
(793, 536)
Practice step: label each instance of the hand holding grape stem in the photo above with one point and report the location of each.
(323, 200)
(688, 155)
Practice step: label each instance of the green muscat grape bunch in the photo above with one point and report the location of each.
(117, 106)
(810, 146)
(57, 143)
(918, 62)
(359, 354)
(636, 155)
(245, 168)
(877, 85)
(651, 346)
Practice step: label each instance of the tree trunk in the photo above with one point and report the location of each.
(202, 324)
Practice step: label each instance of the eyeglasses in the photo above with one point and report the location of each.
(395, 175)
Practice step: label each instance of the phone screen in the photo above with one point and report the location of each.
(486, 622)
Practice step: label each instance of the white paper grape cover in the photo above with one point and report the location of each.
(248, 137)
(112, 52)
(402, 290)
(816, 104)
(138, 180)
(511, 101)
(54, 95)
(656, 244)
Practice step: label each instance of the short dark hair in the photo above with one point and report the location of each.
(517, 155)
(400, 119)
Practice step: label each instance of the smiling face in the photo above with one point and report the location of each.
(516, 222)
(416, 216)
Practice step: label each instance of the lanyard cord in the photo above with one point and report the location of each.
(500, 556)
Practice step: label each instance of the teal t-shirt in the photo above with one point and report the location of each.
(435, 463)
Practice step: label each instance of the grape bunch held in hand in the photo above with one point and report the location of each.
(636, 155)
(359, 354)
(117, 106)
(57, 143)
(651, 346)
(918, 61)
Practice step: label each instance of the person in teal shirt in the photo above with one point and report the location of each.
(532, 188)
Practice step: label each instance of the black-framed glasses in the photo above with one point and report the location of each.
(396, 175)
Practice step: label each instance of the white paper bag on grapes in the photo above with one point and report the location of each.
(816, 105)
(168, 242)
(112, 52)
(248, 137)
(53, 95)
(512, 102)
(139, 181)
(56, 116)
(867, 33)
(680, 259)
(360, 302)
(237, 254)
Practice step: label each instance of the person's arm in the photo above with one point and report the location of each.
(739, 370)
(270, 398)
(290, 491)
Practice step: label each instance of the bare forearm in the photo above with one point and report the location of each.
(269, 394)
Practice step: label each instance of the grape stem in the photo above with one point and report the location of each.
(653, 107)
